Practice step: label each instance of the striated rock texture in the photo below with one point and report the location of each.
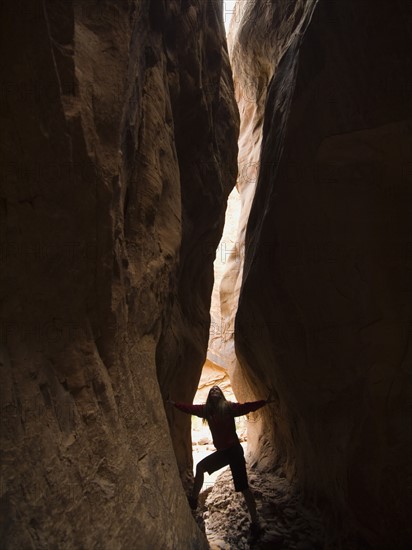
(260, 32)
(227, 259)
(286, 522)
(213, 374)
(327, 271)
(118, 152)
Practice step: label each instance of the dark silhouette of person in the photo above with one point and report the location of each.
(220, 415)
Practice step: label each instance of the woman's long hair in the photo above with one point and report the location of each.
(219, 407)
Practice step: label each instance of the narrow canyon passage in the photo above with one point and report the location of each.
(125, 127)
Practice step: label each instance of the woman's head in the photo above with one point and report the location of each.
(216, 402)
(215, 393)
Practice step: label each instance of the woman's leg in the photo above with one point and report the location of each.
(210, 464)
(251, 504)
(198, 480)
(238, 467)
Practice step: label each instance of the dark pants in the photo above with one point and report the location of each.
(235, 458)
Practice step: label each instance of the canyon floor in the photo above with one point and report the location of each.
(286, 523)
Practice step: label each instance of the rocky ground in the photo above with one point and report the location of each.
(285, 522)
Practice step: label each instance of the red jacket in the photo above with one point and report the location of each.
(223, 427)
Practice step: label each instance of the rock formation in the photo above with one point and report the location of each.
(228, 260)
(327, 271)
(260, 33)
(118, 152)
(213, 375)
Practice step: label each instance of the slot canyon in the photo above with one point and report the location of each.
(125, 126)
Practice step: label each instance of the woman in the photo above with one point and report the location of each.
(220, 415)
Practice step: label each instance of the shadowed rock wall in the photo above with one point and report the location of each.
(118, 152)
(327, 271)
(260, 32)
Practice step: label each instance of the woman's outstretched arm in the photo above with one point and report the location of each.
(196, 410)
(240, 409)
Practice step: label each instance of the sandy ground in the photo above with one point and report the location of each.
(222, 514)
(286, 523)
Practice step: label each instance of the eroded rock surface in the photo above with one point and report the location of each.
(260, 32)
(213, 375)
(118, 153)
(285, 523)
(327, 272)
(228, 260)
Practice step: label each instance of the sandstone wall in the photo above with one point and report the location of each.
(118, 152)
(260, 32)
(228, 258)
(327, 273)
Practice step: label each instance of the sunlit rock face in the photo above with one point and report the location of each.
(260, 32)
(118, 153)
(327, 271)
(213, 375)
(227, 262)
